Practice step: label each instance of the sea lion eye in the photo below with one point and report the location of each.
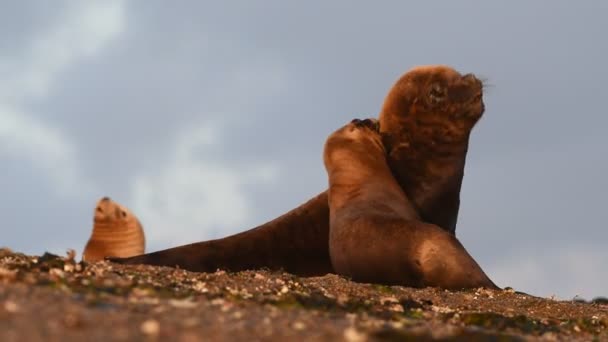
(436, 93)
(123, 213)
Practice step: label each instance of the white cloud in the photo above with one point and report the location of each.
(82, 31)
(564, 271)
(44, 146)
(194, 197)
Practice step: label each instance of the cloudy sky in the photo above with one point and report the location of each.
(199, 117)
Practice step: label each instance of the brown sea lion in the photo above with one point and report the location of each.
(425, 123)
(375, 233)
(116, 233)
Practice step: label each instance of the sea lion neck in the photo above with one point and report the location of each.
(359, 172)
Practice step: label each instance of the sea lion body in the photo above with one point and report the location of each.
(427, 166)
(295, 242)
(116, 233)
(376, 235)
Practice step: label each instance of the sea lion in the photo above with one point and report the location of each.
(375, 233)
(116, 233)
(425, 123)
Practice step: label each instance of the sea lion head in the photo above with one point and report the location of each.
(108, 211)
(435, 102)
(116, 232)
(358, 140)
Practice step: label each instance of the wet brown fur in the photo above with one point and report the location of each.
(375, 233)
(116, 233)
(426, 152)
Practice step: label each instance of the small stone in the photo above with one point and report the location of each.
(577, 329)
(11, 306)
(201, 287)
(387, 300)
(342, 299)
(396, 308)
(441, 309)
(284, 289)
(352, 335)
(217, 301)
(182, 303)
(56, 272)
(258, 276)
(299, 325)
(549, 336)
(150, 327)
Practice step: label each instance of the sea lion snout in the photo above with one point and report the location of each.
(102, 203)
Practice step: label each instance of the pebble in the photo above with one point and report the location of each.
(396, 308)
(69, 268)
(200, 287)
(182, 303)
(352, 335)
(299, 326)
(11, 306)
(150, 327)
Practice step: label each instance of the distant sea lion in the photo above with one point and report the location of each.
(425, 123)
(116, 233)
(375, 233)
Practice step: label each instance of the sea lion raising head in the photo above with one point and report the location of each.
(116, 233)
(375, 233)
(425, 123)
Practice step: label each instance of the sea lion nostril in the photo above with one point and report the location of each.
(355, 121)
(105, 199)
